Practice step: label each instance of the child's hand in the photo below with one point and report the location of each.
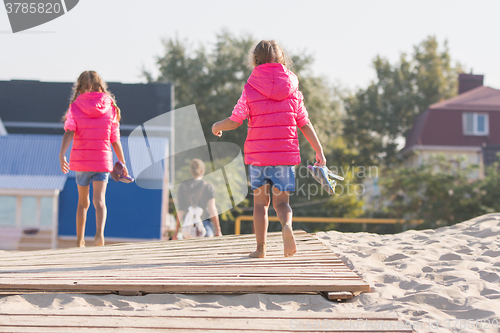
(64, 164)
(125, 170)
(215, 131)
(320, 159)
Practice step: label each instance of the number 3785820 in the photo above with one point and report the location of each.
(39, 7)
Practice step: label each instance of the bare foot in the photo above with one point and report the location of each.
(288, 241)
(80, 243)
(260, 252)
(99, 241)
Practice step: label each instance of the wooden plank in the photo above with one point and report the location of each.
(181, 259)
(338, 295)
(247, 329)
(260, 321)
(210, 313)
(175, 254)
(192, 243)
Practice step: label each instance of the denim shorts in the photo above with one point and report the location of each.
(83, 178)
(280, 176)
(208, 226)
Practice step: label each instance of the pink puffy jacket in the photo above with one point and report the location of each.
(275, 109)
(93, 118)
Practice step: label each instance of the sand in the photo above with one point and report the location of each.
(449, 276)
(444, 280)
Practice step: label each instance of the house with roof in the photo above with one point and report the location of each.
(38, 202)
(462, 126)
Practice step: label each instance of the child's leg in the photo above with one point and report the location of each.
(99, 200)
(81, 214)
(284, 212)
(261, 200)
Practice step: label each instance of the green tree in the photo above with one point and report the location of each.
(212, 80)
(490, 188)
(437, 191)
(380, 116)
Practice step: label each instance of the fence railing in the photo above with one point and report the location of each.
(237, 222)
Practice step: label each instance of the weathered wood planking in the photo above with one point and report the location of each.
(208, 265)
(213, 320)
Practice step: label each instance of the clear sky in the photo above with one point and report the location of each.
(117, 38)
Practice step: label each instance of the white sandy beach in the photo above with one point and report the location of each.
(443, 280)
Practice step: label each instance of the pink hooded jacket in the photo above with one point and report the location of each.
(93, 118)
(274, 107)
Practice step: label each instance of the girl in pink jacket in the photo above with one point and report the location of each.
(273, 105)
(92, 122)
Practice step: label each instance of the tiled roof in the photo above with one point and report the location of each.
(478, 99)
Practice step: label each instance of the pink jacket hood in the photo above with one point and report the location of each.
(94, 104)
(274, 81)
(93, 118)
(275, 110)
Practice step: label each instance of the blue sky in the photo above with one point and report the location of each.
(117, 38)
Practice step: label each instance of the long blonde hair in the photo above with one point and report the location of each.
(90, 81)
(268, 51)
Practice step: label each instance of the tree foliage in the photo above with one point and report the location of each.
(439, 192)
(378, 117)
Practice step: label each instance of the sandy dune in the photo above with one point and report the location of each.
(448, 276)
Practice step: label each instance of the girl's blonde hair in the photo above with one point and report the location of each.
(90, 81)
(268, 51)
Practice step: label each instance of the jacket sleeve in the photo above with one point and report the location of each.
(69, 123)
(115, 128)
(240, 111)
(302, 117)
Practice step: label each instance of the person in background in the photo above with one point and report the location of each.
(202, 192)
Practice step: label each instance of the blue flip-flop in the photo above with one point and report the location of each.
(325, 177)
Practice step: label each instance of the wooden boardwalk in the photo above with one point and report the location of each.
(215, 265)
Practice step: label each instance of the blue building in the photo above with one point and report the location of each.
(38, 202)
